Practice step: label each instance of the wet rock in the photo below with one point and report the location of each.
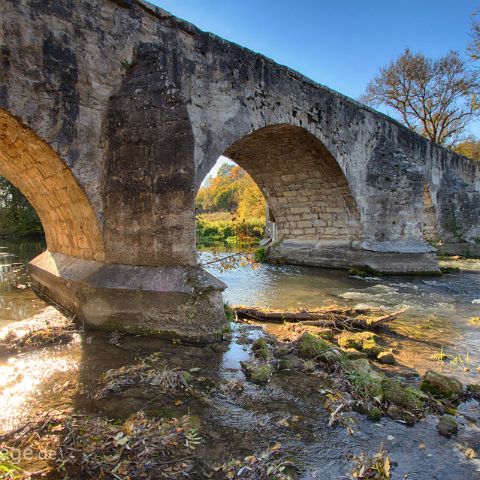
(260, 349)
(259, 373)
(353, 354)
(363, 341)
(374, 414)
(309, 366)
(283, 351)
(400, 415)
(447, 426)
(441, 386)
(386, 358)
(474, 391)
(310, 346)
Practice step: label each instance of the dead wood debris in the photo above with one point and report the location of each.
(148, 371)
(47, 328)
(88, 447)
(330, 317)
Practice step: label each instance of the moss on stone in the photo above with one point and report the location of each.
(447, 426)
(405, 397)
(374, 414)
(362, 341)
(260, 349)
(310, 346)
(364, 271)
(441, 386)
(259, 373)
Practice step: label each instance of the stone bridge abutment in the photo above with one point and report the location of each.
(112, 113)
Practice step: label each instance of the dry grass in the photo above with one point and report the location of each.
(47, 328)
(148, 372)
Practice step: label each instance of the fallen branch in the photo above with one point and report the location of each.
(331, 317)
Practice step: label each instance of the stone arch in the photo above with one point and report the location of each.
(36, 169)
(306, 190)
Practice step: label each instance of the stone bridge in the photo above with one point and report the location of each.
(113, 111)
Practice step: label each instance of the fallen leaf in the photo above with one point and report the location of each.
(470, 453)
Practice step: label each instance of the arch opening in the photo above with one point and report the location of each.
(307, 193)
(68, 219)
(230, 207)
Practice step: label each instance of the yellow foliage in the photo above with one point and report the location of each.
(232, 190)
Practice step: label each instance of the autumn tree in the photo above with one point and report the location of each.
(470, 147)
(436, 98)
(232, 190)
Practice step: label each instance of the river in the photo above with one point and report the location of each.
(437, 320)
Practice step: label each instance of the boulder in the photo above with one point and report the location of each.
(310, 346)
(441, 386)
(447, 426)
(259, 373)
(386, 358)
(353, 354)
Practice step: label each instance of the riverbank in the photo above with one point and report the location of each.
(225, 228)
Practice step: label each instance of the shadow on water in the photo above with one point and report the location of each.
(290, 409)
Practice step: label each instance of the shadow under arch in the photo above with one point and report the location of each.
(69, 222)
(308, 195)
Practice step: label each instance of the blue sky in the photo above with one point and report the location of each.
(338, 43)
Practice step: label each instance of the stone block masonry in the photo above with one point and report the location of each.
(112, 113)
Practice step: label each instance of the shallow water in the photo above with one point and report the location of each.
(234, 426)
(17, 302)
(437, 320)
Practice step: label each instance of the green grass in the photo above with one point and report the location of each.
(224, 228)
(8, 469)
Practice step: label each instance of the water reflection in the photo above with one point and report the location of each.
(17, 302)
(439, 308)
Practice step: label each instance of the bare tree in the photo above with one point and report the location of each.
(473, 47)
(435, 98)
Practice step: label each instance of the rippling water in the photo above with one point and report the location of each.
(63, 376)
(439, 307)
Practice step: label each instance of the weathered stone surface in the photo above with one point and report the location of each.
(447, 426)
(174, 302)
(259, 373)
(112, 113)
(441, 386)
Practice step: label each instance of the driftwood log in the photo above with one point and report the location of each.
(331, 317)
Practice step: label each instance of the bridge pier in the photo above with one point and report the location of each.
(108, 134)
(387, 259)
(175, 302)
